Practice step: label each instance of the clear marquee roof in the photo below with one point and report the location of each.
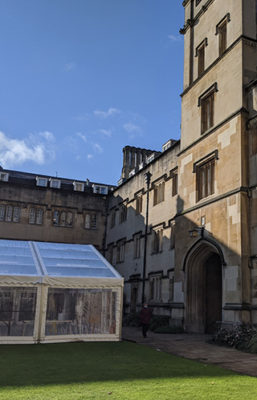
(25, 258)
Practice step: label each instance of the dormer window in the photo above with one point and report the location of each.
(41, 181)
(100, 189)
(150, 158)
(4, 176)
(167, 145)
(55, 183)
(78, 186)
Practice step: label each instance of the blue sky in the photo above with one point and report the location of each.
(80, 79)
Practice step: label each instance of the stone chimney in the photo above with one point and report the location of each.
(133, 157)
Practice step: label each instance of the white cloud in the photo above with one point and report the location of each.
(106, 114)
(174, 38)
(83, 137)
(98, 148)
(69, 66)
(47, 136)
(132, 128)
(15, 152)
(106, 132)
(90, 156)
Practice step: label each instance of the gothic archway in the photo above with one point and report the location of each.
(203, 270)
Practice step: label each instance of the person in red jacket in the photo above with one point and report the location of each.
(145, 319)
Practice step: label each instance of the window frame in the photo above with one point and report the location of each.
(16, 214)
(4, 176)
(222, 38)
(206, 103)
(158, 192)
(36, 216)
(8, 213)
(200, 54)
(222, 32)
(100, 189)
(41, 181)
(139, 204)
(120, 251)
(55, 183)
(123, 213)
(171, 285)
(60, 218)
(157, 240)
(137, 245)
(172, 236)
(174, 177)
(155, 286)
(90, 221)
(205, 179)
(2, 212)
(78, 186)
(113, 219)
(39, 216)
(207, 112)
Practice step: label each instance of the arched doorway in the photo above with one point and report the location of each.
(203, 289)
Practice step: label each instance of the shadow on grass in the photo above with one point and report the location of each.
(25, 365)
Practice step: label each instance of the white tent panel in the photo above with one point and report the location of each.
(52, 292)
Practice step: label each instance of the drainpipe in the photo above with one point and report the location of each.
(147, 180)
(106, 207)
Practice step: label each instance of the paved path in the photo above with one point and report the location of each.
(194, 347)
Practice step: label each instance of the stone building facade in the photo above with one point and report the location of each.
(45, 208)
(181, 226)
(201, 262)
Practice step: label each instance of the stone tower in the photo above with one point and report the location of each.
(216, 252)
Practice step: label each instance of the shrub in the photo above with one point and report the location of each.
(252, 345)
(241, 337)
(131, 319)
(158, 321)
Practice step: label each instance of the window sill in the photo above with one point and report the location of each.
(14, 222)
(203, 199)
(62, 226)
(158, 203)
(207, 130)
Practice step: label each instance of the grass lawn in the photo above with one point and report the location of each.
(77, 371)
